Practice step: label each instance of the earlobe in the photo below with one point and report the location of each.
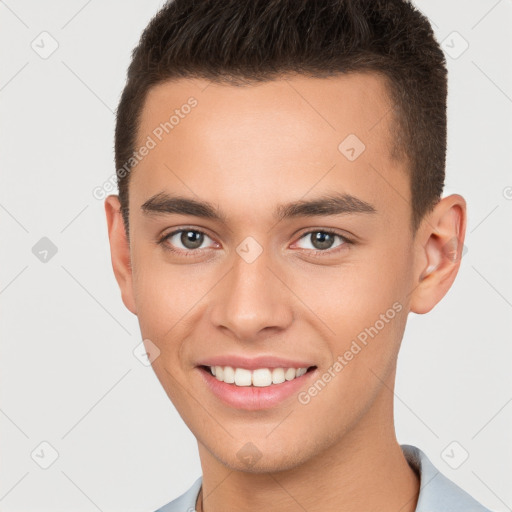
(439, 252)
(120, 251)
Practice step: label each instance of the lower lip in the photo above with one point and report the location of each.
(254, 398)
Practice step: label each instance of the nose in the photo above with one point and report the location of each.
(252, 301)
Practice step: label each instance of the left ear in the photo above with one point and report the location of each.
(440, 240)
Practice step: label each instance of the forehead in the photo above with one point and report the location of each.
(359, 102)
(276, 140)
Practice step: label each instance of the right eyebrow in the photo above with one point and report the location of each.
(165, 204)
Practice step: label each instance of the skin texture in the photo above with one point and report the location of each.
(246, 150)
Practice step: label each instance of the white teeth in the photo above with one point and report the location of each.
(229, 375)
(262, 377)
(277, 375)
(242, 377)
(290, 374)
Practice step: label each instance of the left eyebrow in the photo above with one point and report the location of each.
(330, 204)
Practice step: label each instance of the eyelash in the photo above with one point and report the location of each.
(315, 253)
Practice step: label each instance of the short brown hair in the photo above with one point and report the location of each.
(238, 42)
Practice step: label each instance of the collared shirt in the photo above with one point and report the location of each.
(437, 492)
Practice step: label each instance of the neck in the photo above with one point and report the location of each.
(363, 470)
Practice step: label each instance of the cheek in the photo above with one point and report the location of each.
(360, 309)
(353, 295)
(171, 301)
(164, 290)
(159, 295)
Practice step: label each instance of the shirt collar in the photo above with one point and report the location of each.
(437, 492)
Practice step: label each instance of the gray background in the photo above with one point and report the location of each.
(68, 374)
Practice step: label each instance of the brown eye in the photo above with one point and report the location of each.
(191, 239)
(322, 240)
(185, 240)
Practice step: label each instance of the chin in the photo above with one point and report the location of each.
(264, 465)
(250, 459)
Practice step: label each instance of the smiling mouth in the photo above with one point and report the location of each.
(261, 377)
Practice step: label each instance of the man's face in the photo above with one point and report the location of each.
(257, 285)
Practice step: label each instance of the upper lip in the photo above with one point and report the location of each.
(253, 363)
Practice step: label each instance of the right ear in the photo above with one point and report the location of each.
(120, 251)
